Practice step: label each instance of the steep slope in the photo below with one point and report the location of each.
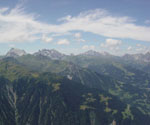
(12, 69)
(51, 99)
(7, 112)
(133, 83)
(42, 63)
(127, 83)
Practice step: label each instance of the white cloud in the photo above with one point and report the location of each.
(18, 26)
(88, 47)
(138, 49)
(63, 42)
(2, 10)
(85, 47)
(78, 37)
(129, 48)
(102, 23)
(138, 45)
(112, 44)
(80, 40)
(141, 48)
(46, 39)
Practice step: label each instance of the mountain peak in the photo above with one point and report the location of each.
(14, 52)
(95, 53)
(91, 53)
(138, 57)
(105, 53)
(148, 53)
(53, 54)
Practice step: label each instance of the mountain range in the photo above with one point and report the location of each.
(56, 55)
(92, 88)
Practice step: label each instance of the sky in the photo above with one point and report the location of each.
(75, 26)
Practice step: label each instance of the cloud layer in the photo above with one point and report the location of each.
(63, 42)
(78, 37)
(111, 44)
(18, 26)
(88, 47)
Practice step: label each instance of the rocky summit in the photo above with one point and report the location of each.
(15, 52)
(53, 54)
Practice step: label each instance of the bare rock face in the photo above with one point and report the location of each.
(94, 53)
(13, 52)
(53, 54)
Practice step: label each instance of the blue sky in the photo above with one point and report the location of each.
(75, 26)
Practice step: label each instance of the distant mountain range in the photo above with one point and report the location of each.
(94, 53)
(138, 57)
(56, 55)
(92, 88)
